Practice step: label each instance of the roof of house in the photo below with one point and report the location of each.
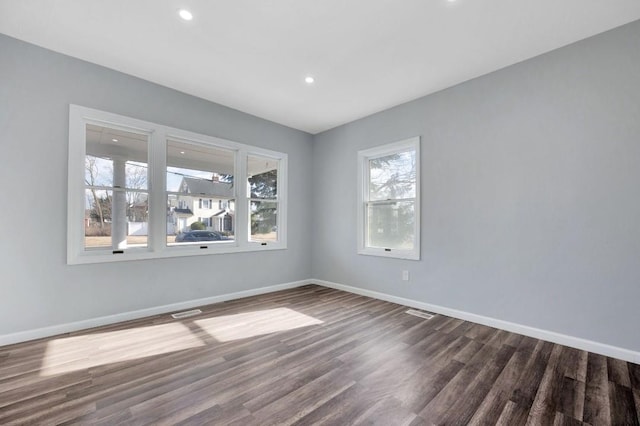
(183, 211)
(206, 187)
(220, 213)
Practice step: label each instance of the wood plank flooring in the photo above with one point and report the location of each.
(310, 356)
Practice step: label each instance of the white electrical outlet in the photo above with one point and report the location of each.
(405, 275)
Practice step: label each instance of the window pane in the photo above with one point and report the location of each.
(262, 177)
(98, 171)
(196, 169)
(116, 158)
(263, 216)
(136, 175)
(208, 224)
(115, 219)
(393, 176)
(391, 225)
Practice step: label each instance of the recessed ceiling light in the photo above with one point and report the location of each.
(114, 140)
(309, 79)
(185, 14)
(181, 152)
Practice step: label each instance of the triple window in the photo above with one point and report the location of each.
(142, 190)
(389, 200)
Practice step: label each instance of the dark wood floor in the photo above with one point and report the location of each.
(310, 356)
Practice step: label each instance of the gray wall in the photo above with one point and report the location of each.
(38, 289)
(530, 194)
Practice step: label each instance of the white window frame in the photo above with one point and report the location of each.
(157, 246)
(280, 200)
(364, 157)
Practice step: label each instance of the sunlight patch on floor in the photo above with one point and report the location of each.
(249, 324)
(79, 352)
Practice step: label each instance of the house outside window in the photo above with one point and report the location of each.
(199, 186)
(389, 200)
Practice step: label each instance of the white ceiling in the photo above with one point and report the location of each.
(253, 55)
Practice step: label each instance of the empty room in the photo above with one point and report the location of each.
(320, 213)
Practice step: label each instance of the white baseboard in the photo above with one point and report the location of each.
(562, 339)
(54, 330)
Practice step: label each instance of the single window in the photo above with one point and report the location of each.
(195, 171)
(140, 190)
(116, 176)
(262, 189)
(389, 200)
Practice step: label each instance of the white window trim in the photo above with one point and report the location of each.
(363, 189)
(156, 248)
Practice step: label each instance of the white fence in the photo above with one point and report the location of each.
(142, 228)
(138, 228)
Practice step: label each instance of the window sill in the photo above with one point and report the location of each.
(394, 254)
(102, 256)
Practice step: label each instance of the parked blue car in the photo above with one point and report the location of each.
(195, 236)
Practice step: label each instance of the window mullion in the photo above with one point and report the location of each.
(281, 197)
(157, 197)
(117, 188)
(76, 193)
(242, 199)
